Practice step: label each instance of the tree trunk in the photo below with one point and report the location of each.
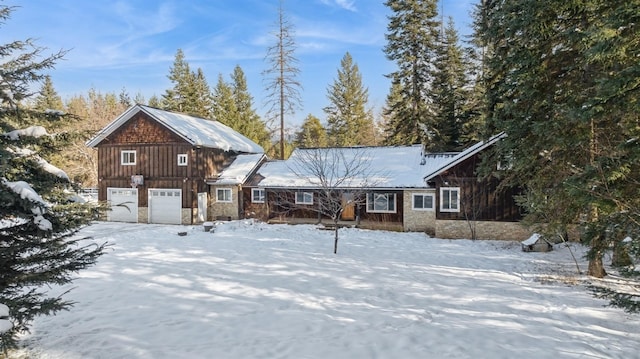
(335, 241)
(596, 266)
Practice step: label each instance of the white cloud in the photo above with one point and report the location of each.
(344, 4)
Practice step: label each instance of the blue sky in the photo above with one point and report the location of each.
(132, 44)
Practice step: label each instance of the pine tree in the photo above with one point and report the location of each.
(154, 101)
(124, 98)
(391, 111)
(39, 218)
(224, 105)
(250, 124)
(449, 94)
(311, 134)
(282, 85)
(412, 41)
(349, 121)
(202, 98)
(48, 98)
(190, 93)
(175, 99)
(564, 91)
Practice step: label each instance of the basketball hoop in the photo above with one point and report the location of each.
(137, 180)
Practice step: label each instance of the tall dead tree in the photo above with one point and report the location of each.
(281, 84)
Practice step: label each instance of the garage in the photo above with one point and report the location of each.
(124, 204)
(165, 206)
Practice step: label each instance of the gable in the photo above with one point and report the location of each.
(463, 156)
(142, 129)
(195, 131)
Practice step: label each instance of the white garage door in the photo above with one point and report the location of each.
(165, 206)
(124, 204)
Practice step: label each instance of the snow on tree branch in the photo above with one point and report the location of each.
(33, 131)
(23, 152)
(25, 191)
(5, 324)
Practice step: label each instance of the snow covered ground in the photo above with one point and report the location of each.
(276, 291)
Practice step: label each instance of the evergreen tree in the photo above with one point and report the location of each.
(449, 94)
(124, 98)
(202, 98)
(562, 83)
(224, 105)
(250, 123)
(412, 41)
(311, 134)
(282, 85)
(190, 93)
(39, 219)
(139, 99)
(48, 98)
(349, 121)
(154, 101)
(391, 119)
(174, 99)
(233, 106)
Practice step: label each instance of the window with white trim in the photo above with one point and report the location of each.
(450, 199)
(257, 195)
(223, 195)
(423, 201)
(381, 202)
(183, 160)
(304, 197)
(127, 158)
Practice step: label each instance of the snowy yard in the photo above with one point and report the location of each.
(277, 291)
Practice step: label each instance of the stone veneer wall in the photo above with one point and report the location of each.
(224, 209)
(417, 221)
(187, 214)
(458, 229)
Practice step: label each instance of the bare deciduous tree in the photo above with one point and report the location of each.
(338, 177)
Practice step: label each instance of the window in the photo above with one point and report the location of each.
(304, 198)
(223, 194)
(381, 202)
(127, 158)
(257, 195)
(450, 199)
(182, 159)
(423, 201)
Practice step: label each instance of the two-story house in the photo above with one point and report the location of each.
(155, 166)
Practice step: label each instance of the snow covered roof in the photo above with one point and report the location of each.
(464, 155)
(195, 130)
(241, 168)
(389, 167)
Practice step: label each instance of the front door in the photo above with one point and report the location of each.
(348, 207)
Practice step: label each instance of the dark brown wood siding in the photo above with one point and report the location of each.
(479, 200)
(253, 210)
(281, 203)
(157, 149)
(142, 129)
